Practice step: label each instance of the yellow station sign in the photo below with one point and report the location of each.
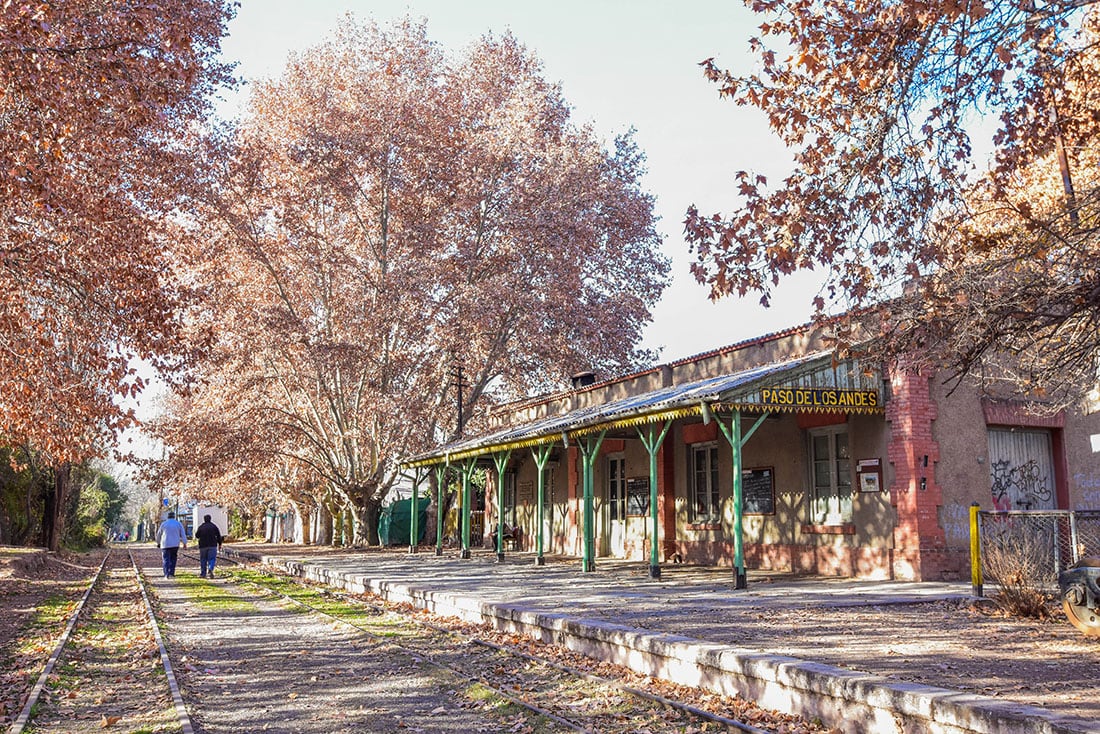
(818, 397)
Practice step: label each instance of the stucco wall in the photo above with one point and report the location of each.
(872, 513)
(1083, 461)
(963, 469)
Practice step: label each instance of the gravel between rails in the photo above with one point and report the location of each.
(109, 673)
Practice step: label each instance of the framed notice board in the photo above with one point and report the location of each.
(758, 490)
(637, 496)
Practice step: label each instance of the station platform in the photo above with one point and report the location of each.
(685, 627)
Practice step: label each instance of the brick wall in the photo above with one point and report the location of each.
(920, 548)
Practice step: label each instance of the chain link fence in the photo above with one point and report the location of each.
(1034, 546)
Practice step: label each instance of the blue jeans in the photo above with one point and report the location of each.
(207, 558)
(168, 559)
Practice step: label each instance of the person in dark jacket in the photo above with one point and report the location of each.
(209, 539)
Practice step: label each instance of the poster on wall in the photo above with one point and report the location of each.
(637, 496)
(758, 491)
(869, 482)
(870, 475)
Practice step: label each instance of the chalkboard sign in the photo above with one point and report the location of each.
(637, 496)
(758, 491)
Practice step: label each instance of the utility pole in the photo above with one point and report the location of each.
(459, 383)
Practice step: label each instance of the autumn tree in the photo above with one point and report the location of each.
(982, 267)
(95, 100)
(222, 453)
(389, 212)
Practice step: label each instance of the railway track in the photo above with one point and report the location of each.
(109, 669)
(573, 699)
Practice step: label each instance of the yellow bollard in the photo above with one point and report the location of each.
(975, 551)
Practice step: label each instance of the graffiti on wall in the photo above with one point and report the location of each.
(1088, 489)
(955, 521)
(1021, 487)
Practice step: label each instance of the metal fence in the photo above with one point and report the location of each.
(1035, 545)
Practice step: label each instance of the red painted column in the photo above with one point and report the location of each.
(666, 498)
(919, 541)
(572, 500)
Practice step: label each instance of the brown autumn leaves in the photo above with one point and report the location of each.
(947, 145)
(95, 105)
(386, 211)
(384, 214)
(311, 276)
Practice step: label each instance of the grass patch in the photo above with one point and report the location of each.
(55, 608)
(319, 598)
(214, 597)
(505, 709)
(50, 616)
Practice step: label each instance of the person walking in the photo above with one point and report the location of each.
(209, 539)
(170, 536)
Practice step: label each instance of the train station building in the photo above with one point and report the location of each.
(767, 454)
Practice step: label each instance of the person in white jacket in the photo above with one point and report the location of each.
(170, 538)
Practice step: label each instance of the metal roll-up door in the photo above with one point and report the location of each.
(1021, 469)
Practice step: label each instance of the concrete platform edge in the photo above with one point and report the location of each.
(850, 700)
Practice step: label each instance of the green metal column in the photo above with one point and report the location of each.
(500, 459)
(542, 458)
(590, 449)
(652, 445)
(737, 442)
(467, 474)
(740, 576)
(440, 483)
(414, 514)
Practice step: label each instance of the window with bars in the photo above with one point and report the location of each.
(510, 499)
(549, 482)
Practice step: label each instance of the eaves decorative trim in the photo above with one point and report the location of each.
(813, 383)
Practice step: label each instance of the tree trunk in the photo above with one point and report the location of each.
(324, 525)
(302, 534)
(346, 527)
(48, 517)
(367, 522)
(53, 515)
(305, 520)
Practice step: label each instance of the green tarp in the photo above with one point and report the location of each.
(394, 523)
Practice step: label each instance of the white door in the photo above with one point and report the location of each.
(1021, 469)
(616, 505)
(553, 513)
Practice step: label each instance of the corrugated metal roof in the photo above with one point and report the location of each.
(732, 390)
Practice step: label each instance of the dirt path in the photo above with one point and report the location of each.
(257, 666)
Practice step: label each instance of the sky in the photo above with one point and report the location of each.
(621, 64)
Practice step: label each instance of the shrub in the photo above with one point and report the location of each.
(1018, 557)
